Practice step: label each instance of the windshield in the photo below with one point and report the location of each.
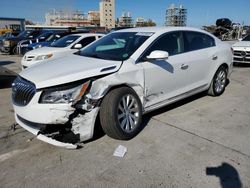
(247, 38)
(53, 37)
(116, 46)
(24, 34)
(44, 36)
(65, 41)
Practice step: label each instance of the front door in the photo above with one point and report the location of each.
(165, 79)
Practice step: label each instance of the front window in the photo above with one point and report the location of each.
(116, 46)
(247, 38)
(65, 41)
(53, 37)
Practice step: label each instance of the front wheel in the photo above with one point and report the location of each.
(121, 114)
(218, 84)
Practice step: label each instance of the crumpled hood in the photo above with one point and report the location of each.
(242, 44)
(68, 69)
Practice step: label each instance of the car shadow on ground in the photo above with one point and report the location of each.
(241, 65)
(176, 104)
(99, 133)
(2, 63)
(228, 175)
(6, 77)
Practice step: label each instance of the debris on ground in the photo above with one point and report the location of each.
(120, 151)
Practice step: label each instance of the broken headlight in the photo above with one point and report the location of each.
(69, 95)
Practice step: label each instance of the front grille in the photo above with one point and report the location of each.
(29, 58)
(22, 91)
(241, 56)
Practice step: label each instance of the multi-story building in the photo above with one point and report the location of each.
(176, 16)
(139, 22)
(94, 17)
(107, 13)
(125, 20)
(66, 18)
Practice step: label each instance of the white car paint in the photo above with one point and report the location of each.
(156, 84)
(242, 51)
(29, 58)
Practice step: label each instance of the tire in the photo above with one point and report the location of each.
(13, 50)
(219, 82)
(121, 120)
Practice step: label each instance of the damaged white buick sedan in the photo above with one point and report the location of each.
(117, 79)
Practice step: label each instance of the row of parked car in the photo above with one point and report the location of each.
(58, 43)
(12, 43)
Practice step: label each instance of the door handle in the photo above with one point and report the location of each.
(184, 66)
(215, 57)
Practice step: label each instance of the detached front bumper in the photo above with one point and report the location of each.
(36, 131)
(53, 123)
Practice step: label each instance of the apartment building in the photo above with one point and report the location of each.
(107, 13)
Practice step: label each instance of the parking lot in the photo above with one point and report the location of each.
(198, 142)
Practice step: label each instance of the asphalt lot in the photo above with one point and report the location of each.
(199, 142)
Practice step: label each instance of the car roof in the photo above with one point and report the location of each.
(160, 29)
(85, 34)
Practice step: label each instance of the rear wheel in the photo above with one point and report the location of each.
(218, 84)
(121, 114)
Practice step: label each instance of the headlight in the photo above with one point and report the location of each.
(71, 95)
(6, 43)
(43, 57)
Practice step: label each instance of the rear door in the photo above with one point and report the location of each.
(200, 51)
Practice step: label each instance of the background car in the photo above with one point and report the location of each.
(10, 43)
(22, 46)
(49, 39)
(242, 51)
(62, 47)
(7, 35)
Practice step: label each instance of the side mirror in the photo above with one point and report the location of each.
(78, 46)
(158, 55)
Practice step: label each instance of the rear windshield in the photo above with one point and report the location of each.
(116, 46)
(65, 41)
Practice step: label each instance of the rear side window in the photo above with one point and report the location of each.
(197, 41)
(170, 42)
(86, 41)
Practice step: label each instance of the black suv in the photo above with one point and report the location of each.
(10, 43)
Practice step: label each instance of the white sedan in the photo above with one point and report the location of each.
(116, 80)
(242, 51)
(63, 47)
